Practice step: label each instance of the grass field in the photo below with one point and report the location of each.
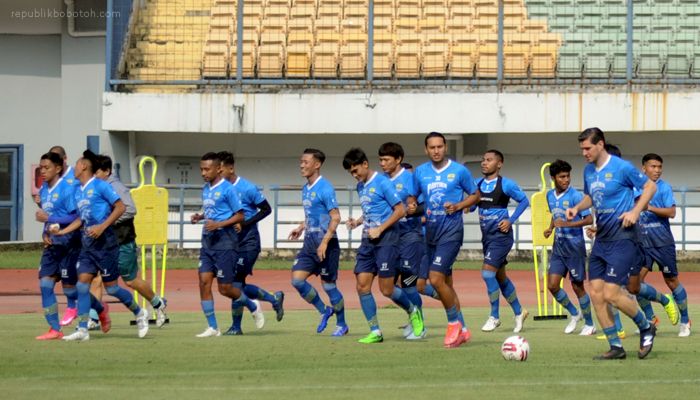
(289, 360)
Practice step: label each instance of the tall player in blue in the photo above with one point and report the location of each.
(497, 236)
(378, 254)
(411, 242)
(659, 247)
(320, 254)
(569, 250)
(255, 209)
(218, 255)
(100, 207)
(443, 183)
(609, 184)
(58, 210)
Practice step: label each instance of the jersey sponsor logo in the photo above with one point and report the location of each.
(438, 260)
(384, 267)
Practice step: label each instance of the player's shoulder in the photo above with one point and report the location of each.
(423, 168)
(663, 185)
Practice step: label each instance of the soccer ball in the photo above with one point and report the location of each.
(515, 348)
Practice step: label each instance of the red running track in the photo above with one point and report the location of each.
(19, 291)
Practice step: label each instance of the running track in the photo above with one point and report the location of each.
(19, 291)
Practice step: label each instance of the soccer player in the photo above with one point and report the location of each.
(320, 254)
(411, 244)
(126, 237)
(659, 247)
(255, 208)
(378, 254)
(442, 183)
(59, 256)
(569, 250)
(609, 184)
(99, 208)
(218, 255)
(497, 236)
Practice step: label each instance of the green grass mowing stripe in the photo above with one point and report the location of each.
(289, 359)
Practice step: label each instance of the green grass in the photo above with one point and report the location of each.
(288, 360)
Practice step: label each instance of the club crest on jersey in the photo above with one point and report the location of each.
(399, 187)
(372, 190)
(313, 195)
(450, 177)
(217, 194)
(566, 203)
(54, 196)
(90, 192)
(608, 176)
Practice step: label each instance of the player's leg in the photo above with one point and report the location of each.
(670, 273)
(48, 276)
(559, 268)
(584, 302)
(596, 272)
(304, 265)
(255, 292)
(69, 277)
(243, 266)
(423, 284)
(369, 306)
(442, 257)
(329, 275)
(643, 302)
(411, 255)
(206, 272)
(665, 258)
(387, 261)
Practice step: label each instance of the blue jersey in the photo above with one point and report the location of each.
(410, 228)
(318, 200)
(377, 198)
(490, 215)
(439, 187)
(568, 242)
(220, 202)
(656, 231)
(612, 190)
(59, 204)
(250, 197)
(69, 177)
(95, 201)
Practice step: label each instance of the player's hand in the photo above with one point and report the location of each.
(591, 231)
(321, 250)
(571, 213)
(504, 226)
(238, 227)
(629, 218)
(351, 223)
(211, 225)
(411, 208)
(55, 229)
(95, 231)
(41, 215)
(560, 223)
(374, 233)
(195, 218)
(547, 232)
(47, 240)
(450, 208)
(295, 233)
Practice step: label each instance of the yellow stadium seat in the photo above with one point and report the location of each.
(354, 27)
(543, 61)
(271, 58)
(462, 60)
(277, 3)
(384, 8)
(487, 12)
(383, 25)
(549, 39)
(275, 12)
(299, 46)
(408, 10)
(250, 50)
(329, 23)
(436, 56)
(277, 24)
(383, 55)
(487, 62)
(326, 55)
(353, 59)
(515, 61)
(518, 39)
(460, 37)
(408, 58)
(534, 25)
(330, 7)
(485, 25)
(215, 59)
(435, 11)
(355, 11)
(459, 25)
(219, 34)
(406, 27)
(431, 24)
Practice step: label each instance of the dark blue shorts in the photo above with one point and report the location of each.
(496, 251)
(613, 261)
(575, 267)
(411, 257)
(664, 257)
(100, 255)
(440, 257)
(424, 270)
(244, 265)
(221, 263)
(308, 261)
(60, 261)
(378, 260)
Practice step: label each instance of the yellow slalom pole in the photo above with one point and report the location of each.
(537, 281)
(162, 270)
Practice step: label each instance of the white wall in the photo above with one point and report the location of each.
(30, 17)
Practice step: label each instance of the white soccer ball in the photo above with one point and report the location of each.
(515, 348)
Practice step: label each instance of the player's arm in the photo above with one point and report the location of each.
(353, 223)
(236, 218)
(75, 225)
(663, 212)
(264, 210)
(330, 233)
(584, 204)
(631, 217)
(296, 232)
(547, 232)
(96, 231)
(523, 203)
(399, 212)
(466, 204)
(587, 220)
(413, 207)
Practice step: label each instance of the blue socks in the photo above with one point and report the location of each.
(308, 293)
(258, 293)
(493, 290)
(124, 297)
(641, 320)
(337, 302)
(585, 303)
(237, 310)
(413, 296)
(563, 299)
(208, 309)
(48, 302)
(95, 305)
(71, 296)
(681, 298)
(650, 293)
(452, 315)
(646, 307)
(399, 297)
(508, 290)
(611, 334)
(431, 292)
(616, 318)
(83, 303)
(369, 309)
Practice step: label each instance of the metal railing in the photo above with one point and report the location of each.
(611, 42)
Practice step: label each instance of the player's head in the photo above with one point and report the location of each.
(103, 169)
(60, 151)
(50, 166)
(87, 164)
(491, 162)
(560, 171)
(210, 167)
(613, 150)
(310, 162)
(592, 144)
(356, 163)
(653, 166)
(407, 166)
(390, 157)
(228, 162)
(435, 147)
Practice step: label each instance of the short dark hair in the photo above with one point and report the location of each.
(104, 163)
(435, 134)
(354, 156)
(211, 156)
(497, 153)
(55, 159)
(226, 157)
(391, 149)
(92, 159)
(407, 165)
(58, 150)
(558, 166)
(594, 134)
(613, 150)
(652, 156)
(317, 154)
